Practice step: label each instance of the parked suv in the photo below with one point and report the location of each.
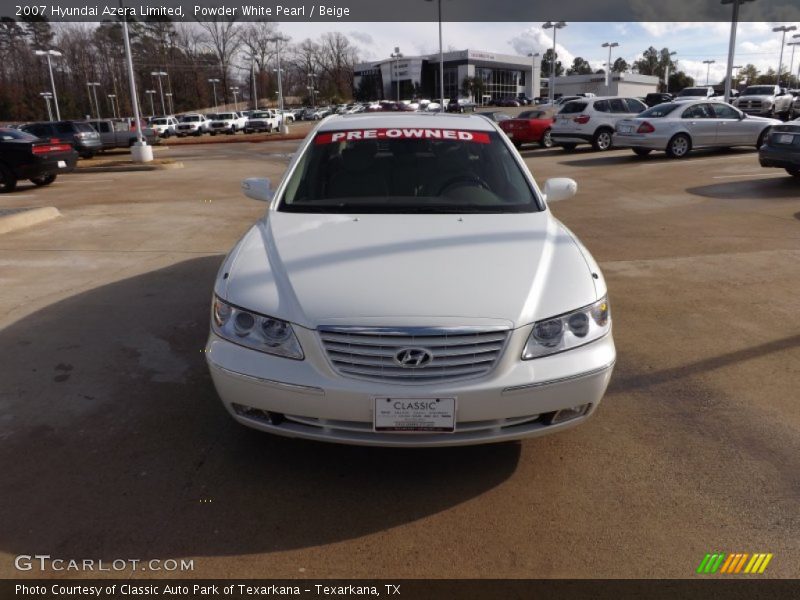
(657, 98)
(592, 121)
(80, 136)
(164, 126)
(191, 124)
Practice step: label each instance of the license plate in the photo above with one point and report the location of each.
(786, 138)
(625, 128)
(415, 415)
(62, 164)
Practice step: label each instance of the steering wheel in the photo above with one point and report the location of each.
(461, 181)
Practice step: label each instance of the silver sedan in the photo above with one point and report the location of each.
(678, 127)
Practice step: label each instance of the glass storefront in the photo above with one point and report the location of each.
(500, 83)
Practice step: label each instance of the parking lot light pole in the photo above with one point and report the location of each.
(140, 151)
(396, 55)
(48, 54)
(113, 98)
(47, 96)
(666, 73)
(169, 101)
(311, 77)
(791, 63)
(94, 85)
(161, 74)
(796, 36)
(609, 45)
(551, 93)
(708, 64)
(235, 91)
(152, 106)
(732, 44)
(214, 83)
(279, 70)
(783, 30)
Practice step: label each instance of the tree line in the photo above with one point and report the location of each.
(239, 55)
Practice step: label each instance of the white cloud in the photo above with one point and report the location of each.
(534, 39)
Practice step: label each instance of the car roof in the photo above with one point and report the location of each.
(390, 120)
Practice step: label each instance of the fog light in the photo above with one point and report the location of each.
(567, 414)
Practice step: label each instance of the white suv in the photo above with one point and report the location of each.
(592, 120)
(164, 126)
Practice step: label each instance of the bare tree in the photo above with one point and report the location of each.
(224, 38)
(258, 44)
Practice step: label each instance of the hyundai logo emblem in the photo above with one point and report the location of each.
(413, 358)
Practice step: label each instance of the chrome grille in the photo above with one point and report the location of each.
(369, 353)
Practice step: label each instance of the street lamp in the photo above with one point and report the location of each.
(441, 58)
(214, 83)
(311, 77)
(235, 91)
(47, 96)
(161, 74)
(152, 108)
(396, 55)
(791, 64)
(113, 98)
(279, 70)
(609, 45)
(92, 86)
(666, 71)
(169, 100)
(795, 36)
(782, 29)
(48, 54)
(732, 44)
(533, 56)
(708, 68)
(551, 93)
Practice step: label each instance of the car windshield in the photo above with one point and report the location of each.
(15, 134)
(190, 119)
(531, 114)
(419, 170)
(660, 110)
(158, 122)
(759, 90)
(260, 115)
(222, 116)
(694, 92)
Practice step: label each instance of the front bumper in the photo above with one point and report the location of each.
(307, 399)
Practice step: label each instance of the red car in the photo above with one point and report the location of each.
(530, 127)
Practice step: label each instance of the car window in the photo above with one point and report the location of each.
(723, 111)
(572, 108)
(658, 111)
(617, 105)
(408, 170)
(602, 106)
(759, 90)
(38, 130)
(635, 106)
(68, 128)
(101, 126)
(15, 134)
(698, 111)
(82, 127)
(120, 126)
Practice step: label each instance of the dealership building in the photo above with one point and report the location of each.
(502, 74)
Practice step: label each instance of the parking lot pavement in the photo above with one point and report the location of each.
(114, 444)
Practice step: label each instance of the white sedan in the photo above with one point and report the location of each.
(409, 286)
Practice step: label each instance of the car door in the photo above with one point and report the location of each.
(698, 120)
(731, 130)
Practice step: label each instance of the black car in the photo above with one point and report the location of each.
(80, 136)
(657, 98)
(781, 148)
(23, 156)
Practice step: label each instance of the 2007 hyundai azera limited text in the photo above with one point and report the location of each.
(408, 286)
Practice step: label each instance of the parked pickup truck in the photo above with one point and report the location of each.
(227, 122)
(765, 101)
(118, 134)
(263, 120)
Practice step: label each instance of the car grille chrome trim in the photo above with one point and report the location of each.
(369, 353)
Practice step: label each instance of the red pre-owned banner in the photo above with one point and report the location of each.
(403, 133)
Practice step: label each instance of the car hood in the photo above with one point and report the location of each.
(401, 270)
(760, 97)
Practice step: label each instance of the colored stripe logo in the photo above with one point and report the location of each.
(731, 564)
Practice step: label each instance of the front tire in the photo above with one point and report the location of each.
(679, 146)
(44, 179)
(546, 141)
(602, 140)
(762, 136)
(7, 180)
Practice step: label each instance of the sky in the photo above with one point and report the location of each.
(694, 42)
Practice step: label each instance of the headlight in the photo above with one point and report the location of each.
(568, 331)
(255, 331)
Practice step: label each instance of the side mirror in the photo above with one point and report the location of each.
(258, 188)
(559, 188)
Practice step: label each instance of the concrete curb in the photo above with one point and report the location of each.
(127, 168)
(12, 219)
(238, 140)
